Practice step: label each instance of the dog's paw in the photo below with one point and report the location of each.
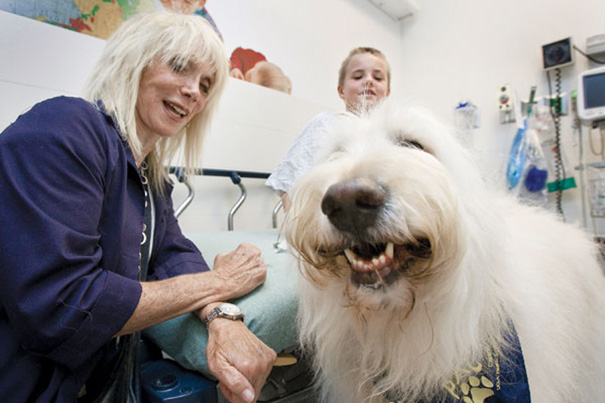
(476, 387)
(476, 390)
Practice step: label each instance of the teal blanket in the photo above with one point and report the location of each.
(270, 310)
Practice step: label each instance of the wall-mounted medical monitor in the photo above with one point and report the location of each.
(557, 54)
(591, 94)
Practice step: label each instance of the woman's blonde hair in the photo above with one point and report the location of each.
(137, 44)
(357, 51)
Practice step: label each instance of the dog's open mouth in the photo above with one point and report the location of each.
(378, 265)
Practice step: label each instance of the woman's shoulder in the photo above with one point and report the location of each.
(64, 106)
(65, 115)
(75, 123)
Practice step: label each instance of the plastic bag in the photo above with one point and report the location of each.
(527, 170)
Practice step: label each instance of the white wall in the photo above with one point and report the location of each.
(448, 52)
(466, 49)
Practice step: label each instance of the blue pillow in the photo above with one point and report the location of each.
(270, 310)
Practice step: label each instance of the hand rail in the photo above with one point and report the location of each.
(276, 209)
(187, 200)
(234, 175)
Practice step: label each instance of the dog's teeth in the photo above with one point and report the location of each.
(389, 250)
(350, 256)
(377, 262)
(380, 279)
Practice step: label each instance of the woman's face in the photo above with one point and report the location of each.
(170, 95)
(365, 82)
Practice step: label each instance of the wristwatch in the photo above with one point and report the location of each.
(224, 310)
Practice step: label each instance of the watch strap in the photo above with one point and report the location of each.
(217, 312)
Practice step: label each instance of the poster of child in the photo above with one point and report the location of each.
(253, 66)
(188, 7)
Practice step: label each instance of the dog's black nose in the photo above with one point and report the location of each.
(354, 205)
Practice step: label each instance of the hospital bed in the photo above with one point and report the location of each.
(181, 372)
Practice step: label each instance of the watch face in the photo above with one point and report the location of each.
(230, 309)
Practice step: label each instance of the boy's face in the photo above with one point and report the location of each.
(365, 82)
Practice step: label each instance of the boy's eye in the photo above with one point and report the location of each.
(410, 144)
(205, 86)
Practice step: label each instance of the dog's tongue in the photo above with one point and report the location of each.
(374, 279)
(368, 251)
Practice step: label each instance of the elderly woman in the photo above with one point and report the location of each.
(89, 246)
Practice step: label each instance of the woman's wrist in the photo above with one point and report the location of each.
(203, 312)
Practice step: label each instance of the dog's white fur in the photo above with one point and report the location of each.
(493, 259)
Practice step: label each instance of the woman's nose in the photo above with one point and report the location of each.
(190, 89)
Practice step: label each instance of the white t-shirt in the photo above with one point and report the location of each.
(301, 155)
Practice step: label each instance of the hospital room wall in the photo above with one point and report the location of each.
(465, 50)
(255, 126)
(447, 52)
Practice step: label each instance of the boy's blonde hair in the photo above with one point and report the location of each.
(357, 51)
(137, 44)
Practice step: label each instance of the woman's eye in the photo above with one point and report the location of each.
(205, 87)
(177, 65)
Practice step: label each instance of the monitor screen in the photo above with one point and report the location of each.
(591, 96)
(557, 54)
(594, 90)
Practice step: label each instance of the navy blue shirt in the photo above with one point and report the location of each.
(71, 217)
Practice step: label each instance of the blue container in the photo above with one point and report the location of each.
(166, 381)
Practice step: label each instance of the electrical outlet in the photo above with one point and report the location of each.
(505, 102)
(505, 98)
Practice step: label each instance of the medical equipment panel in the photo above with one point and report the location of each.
(591, 94)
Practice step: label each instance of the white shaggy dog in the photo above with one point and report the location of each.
(421, 278)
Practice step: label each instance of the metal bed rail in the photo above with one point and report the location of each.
(236, 178)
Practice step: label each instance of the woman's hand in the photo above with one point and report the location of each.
(239, 271)
(238, 359)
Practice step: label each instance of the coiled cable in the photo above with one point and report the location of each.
(555, 112)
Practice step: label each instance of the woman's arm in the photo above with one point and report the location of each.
(234, 274)
(236, 357)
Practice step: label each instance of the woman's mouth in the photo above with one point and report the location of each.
(175, 110)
